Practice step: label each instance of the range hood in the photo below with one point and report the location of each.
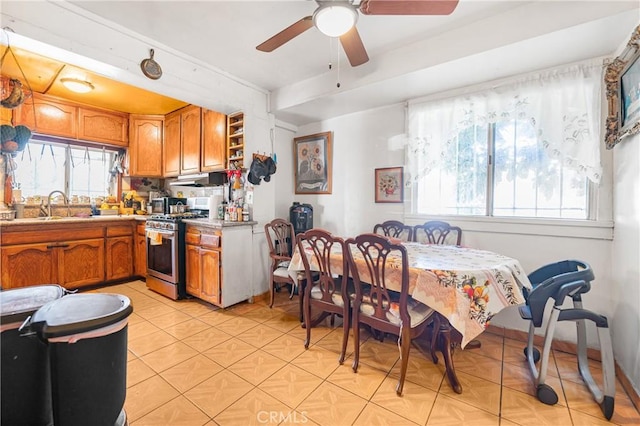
(199, 179)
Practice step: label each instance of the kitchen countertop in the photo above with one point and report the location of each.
(217, 223)
(46, 221)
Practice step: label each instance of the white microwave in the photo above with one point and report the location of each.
(198, 203)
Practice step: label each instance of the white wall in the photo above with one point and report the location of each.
(360, 143)
(625, 258)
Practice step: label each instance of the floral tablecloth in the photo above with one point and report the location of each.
(465, 285)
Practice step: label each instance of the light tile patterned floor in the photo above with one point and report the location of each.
(192, 364)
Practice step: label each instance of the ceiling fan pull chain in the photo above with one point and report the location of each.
(338, 84)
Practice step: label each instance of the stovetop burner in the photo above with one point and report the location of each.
(174, 217)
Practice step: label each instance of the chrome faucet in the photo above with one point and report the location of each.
(64, 197)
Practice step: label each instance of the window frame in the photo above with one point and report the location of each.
(66, 143)
(598, 225)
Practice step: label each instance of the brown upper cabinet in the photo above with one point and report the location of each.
(190, 139)
(171, 148)
(145, 145)
(103, 126)
(194, 141)
(214, 129)
(52, 116)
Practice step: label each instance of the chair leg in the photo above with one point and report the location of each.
(356, 338)
(307, 320)
(345, 337)
(302, 285)
(405, 346)
(435, 333)
(272, 291)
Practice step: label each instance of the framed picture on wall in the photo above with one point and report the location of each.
(389, 185)
(312, 156)
(622, 82)
(630, 93)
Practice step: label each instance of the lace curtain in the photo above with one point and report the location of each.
(563, 105)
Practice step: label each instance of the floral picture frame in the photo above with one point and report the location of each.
(313, 158)
(622, 80)
(389, 183)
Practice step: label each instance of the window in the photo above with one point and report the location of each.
(46, 166)
(525, 150)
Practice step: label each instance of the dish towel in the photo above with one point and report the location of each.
(155, 238)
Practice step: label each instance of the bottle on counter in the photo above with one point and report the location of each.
(222, 208)
(239, 213)
(227, 214)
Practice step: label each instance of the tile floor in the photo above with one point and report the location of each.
(193, 364)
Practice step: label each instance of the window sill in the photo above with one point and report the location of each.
(590, 229)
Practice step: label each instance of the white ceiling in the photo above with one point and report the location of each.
(410, 56)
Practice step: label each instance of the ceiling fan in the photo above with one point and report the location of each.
(337, 18)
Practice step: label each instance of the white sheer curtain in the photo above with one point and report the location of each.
(562, 104)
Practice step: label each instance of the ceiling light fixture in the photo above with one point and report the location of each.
(77, 85)
(335, 20)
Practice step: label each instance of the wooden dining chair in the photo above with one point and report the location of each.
(395, 229)
(437, 232)
(281, 237)
(380, 262)
(327, 289)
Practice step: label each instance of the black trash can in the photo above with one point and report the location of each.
(25, 388)
(301, 216)
(87, 337)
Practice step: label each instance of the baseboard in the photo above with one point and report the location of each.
(571, 348)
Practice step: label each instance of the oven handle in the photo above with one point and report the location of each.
(163, 233)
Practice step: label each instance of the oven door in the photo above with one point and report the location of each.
(162, 255)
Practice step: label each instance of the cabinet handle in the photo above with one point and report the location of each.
(57, 245)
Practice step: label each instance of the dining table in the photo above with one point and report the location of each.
(466, 287)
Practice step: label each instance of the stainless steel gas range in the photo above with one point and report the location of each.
(166, 253)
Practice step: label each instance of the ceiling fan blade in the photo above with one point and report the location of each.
(287, 34)
(408, 7)
(353, 47)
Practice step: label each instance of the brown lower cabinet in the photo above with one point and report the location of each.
(202, 263)
(140, 242)
(72, 255)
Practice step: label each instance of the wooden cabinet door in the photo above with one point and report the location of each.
(81, 263)
(140, 267)
(192, 270)
(210, 267)
(214, 131)
(171, 147)
(190, 148)
(119, 257)
(28, 264)
(52, 117)
(103, 126)
(145, 145)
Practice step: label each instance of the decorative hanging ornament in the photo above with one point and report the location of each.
(12, 93)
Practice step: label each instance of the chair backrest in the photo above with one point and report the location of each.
(377, 260)
(395, 229)
(280, 237)
(437, 232)
(552, 281)
(324, 263)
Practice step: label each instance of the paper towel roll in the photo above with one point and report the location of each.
(214, 201)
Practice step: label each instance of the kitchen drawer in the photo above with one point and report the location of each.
(119, 231)
(192, 237)
(210, 240)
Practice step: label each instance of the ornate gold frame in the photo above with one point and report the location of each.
(612, 77)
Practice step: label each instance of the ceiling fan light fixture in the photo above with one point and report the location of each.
(77, 85)
(335, 20)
